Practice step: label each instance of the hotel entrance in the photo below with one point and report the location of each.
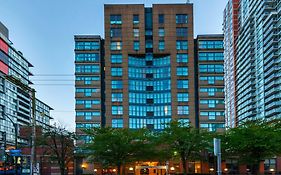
(150, 168)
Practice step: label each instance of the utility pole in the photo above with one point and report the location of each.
(33, 134)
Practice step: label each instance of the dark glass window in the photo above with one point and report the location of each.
(115, 32)
(181, 18)
(136, 19)
(182, 84)
(161, 18)
(149, 63)
(149, 75)
(115, 19)
(181, 31)
(149, 101)
(149, 88)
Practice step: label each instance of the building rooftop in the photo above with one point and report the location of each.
(87, 37)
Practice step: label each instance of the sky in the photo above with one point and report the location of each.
(43, 30)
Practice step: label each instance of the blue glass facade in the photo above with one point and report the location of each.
(149, 91)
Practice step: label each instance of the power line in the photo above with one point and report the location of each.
(53, 75)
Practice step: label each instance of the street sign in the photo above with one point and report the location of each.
(15, 152)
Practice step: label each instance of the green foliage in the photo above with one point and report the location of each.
(249, 143)
(116, 147)
(186, 142)
(253, 141)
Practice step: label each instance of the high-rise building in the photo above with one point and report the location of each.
(149, 65)
(15, 92)
(89, 78)
(210, 82)
(254, 40)
(145, 74)
(230, 28)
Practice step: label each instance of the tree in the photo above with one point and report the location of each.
(59, 144)
(116, 147)
(187, 141)
(254, 141)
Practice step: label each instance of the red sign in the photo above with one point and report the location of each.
(4, 68)
(4, 46)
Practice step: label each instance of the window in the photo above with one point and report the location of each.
(115, 19)
(87, 57)
(211, 44)
(211, 91)
(182, 84)
(211, 79)
(182, 97)
(181, 31)
(184, 122)
(87, 45)
(136, 19)
(115, 32)
(148, 44)
(93, 113)
(183, 110)
(117, 123)
(136, 32)
(182, 58)
(87, 79)
(269, 164)
(211, 103)
(116, 58)
(161, 45)
(182, 71)
(116, 97)
(212, 126)
(116, 71)
(161, 32)
(136, 45)
(117, 45)
(116, 84)
(87, 103)
(181, 18)
(161, 18)
(87, 68)
(212, 114)
(182, 45)
(216, 68)
(117, 110)
(88, 116)
(211, 56)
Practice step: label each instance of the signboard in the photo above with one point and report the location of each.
(15, 152)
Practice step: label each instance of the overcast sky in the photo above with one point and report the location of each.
(43, 30)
